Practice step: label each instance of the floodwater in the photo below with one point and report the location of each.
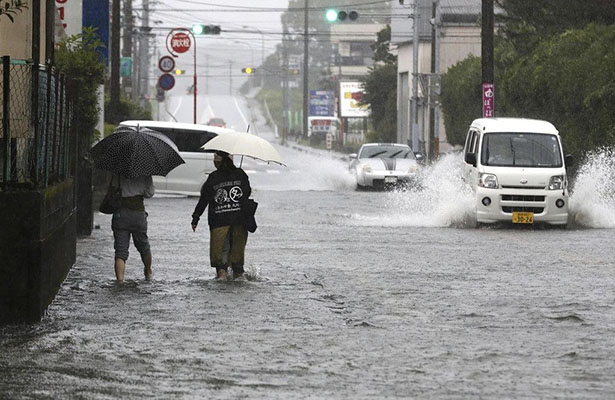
(358, 295)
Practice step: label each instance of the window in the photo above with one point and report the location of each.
(521, 150)
(386, 152)
(187, 140)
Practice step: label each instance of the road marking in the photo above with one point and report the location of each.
(178, 106)
(209, 112)
(245, 121)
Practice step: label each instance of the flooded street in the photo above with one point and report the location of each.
(350, 295)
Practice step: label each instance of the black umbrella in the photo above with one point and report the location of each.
(133, 152)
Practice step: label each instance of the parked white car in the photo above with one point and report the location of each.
(381, 165)
(517, 170)
(188, 178)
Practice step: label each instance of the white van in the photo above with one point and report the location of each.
(517, 169)
(187, 178)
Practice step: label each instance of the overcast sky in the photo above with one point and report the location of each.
(236, 44)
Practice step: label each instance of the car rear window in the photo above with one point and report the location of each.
(187, 140)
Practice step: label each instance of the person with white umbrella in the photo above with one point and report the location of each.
(225, 192)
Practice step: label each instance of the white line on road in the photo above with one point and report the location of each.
(245, 120)
(178, 106)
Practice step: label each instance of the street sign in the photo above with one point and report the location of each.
(125, 67)
(488, 100)
(322, 103)
(329, 141)
(166, 81)
(180, 42)
(166, 64)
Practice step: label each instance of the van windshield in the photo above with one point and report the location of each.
(384, 151)
(512, 149)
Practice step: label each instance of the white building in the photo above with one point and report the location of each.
(460, 36)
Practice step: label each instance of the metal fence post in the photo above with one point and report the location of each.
(6, 109)
(46, 155)
(34, 123)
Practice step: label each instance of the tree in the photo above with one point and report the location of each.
(528, 22)
(461, 98)
(77, 59)
(380, 87)
(11, 7)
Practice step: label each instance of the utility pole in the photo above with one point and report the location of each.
(487, 58)
(434, 82)
(306, 58)
(127, 43)
(284, 88)
(414, 126)
(144, 52)
(114, 89)
(230, 77)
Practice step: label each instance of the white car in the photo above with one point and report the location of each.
(382, 165)
(187, 178)
(517, 169)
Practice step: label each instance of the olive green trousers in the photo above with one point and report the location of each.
(227, 245)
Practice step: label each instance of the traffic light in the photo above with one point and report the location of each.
(333, 15)
(179, 71)
(201, 29)
(248, 70)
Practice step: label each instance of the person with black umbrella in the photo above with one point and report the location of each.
(134, 155)
(131, 220)
(225, 192)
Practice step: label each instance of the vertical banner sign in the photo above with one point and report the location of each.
(96, 15)
(488, 100)
(71, 15)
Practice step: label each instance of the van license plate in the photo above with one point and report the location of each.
(390, 179)
(519, 217)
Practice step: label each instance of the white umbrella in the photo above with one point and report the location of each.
(244, 144)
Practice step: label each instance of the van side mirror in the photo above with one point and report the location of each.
(569, 160)
(352, 156)
(470, 158)
(419, 157)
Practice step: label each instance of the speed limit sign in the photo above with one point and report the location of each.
(166, 64)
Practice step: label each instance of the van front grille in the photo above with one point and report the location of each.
(520, 197)
(535, 210)
(523, 187)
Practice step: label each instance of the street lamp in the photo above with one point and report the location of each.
(262, 51)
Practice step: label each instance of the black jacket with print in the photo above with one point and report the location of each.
(224, 192)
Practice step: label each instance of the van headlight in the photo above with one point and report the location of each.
(489, 181)
(366, 168)
(557, 182)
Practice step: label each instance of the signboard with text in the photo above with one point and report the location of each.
(322, 103)
(351, 95)
(488, 100)
(180, 42)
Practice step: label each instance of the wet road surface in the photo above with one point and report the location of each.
(358, 295)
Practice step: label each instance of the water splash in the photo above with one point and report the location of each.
(308, 171)
(592, 203)
(444, 200)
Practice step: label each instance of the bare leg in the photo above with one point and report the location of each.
(120, 268)
(147, 263)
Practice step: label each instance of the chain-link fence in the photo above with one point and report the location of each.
(35, 145)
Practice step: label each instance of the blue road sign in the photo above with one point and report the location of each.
(166, 81)
(322, 103)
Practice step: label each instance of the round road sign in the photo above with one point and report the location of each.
(166, 81)
(180, 42)
(166, 64)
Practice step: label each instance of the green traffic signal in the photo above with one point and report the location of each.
(198, 29)
(201, 29)
(331, 15)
